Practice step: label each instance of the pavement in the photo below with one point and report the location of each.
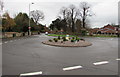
(29, 55)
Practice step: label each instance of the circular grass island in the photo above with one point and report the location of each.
(67, 42)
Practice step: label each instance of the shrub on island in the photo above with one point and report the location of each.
(55, 39)
(59, 38)
(50, 40)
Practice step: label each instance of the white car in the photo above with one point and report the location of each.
(46, 33)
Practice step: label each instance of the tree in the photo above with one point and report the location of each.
(78, 25)
(84, 12)
(64, 12)
(22, 22)
(69, 16)
(37, 16)
(56, 24)
(8, 23)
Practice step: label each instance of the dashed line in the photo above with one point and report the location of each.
(72, 68)
(6, 42)
(30, 74)
(101, 63)
(0, 43)
(118, 59)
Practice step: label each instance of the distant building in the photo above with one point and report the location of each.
(108, 29)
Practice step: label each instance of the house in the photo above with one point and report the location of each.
(108, 30)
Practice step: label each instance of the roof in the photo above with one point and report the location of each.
(106, 29)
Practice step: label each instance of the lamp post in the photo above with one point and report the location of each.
(29, 33)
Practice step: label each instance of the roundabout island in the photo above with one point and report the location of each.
(67, 42)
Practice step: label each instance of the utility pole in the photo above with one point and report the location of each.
(29, 32)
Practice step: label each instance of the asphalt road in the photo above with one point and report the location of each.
(27, 55)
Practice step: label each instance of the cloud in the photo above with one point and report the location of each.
(105, 10)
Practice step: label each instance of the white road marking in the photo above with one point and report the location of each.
(0, 43)
(100, 63)
(6, 42)
(118, 59)
(72, 68)
(30, 74)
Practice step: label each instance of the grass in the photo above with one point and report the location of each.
(103, 36)
(61, 35)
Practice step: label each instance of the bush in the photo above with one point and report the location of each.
(77, 38)
(82, 39)
(61, 41)
(58, 37)
(55, 39)
(72, 40)
(83, 32)
(50, 40)
(65, 39)
(14, 35)
(73, 37)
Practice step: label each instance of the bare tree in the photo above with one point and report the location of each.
(84, 12)
(64, 12)
(73, 15)
(37, 16)
(70, 16)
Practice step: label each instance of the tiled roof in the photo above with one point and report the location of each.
(106, 29)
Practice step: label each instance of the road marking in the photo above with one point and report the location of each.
(118, 59)
(30, 74)
(6, 42)
(0, 43)
(72, 68)
(100, 63)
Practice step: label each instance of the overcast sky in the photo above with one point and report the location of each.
(106, 11)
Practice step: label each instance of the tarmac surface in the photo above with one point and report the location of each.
(27, 55)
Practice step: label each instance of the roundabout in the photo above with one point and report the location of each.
(67, 42)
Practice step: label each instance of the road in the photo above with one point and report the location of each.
(27, 55)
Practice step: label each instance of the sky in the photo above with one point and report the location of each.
(106, 11)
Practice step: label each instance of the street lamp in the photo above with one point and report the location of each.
(29, 20)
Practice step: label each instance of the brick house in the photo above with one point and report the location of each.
(108, 29)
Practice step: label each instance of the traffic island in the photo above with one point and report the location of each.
(67, 42)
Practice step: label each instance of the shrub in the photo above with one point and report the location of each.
(83, 32)
(55, 39)
(50, 40)
(82, 39)
(65, 39)
(58, 37)
(69, 38)
(72, 40)
(61, 41)
(73, 37)
(77, 39)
